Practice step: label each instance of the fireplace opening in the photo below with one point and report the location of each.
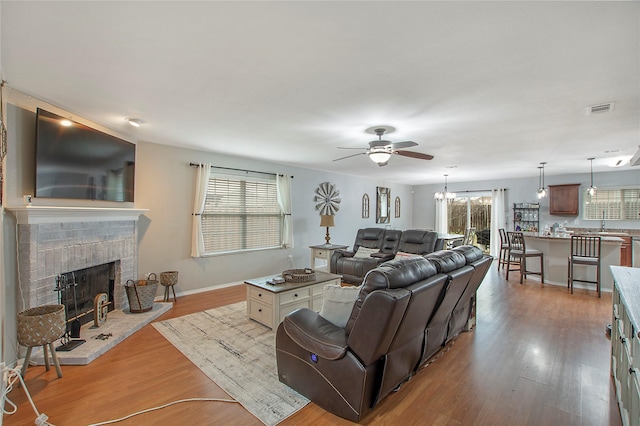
(89, 282)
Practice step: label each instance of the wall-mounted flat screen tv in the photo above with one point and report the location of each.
(76, 161)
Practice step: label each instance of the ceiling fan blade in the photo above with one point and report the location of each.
(412, 154)
(405, 144)
(348, 147)
(349, 156)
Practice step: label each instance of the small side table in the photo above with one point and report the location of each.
(324, 251)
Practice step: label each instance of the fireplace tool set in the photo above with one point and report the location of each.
(71, 338)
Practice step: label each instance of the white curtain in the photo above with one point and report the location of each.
(497, 219)
(442, 221)
(202, 179)
(283, 183)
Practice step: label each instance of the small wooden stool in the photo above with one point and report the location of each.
(41, 326)
(169, 279)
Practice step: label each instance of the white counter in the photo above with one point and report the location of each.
(556, 253)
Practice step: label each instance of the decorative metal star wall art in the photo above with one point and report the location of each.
(327, 198)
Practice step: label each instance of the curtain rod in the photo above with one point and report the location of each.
(237, 170)
(482, 190)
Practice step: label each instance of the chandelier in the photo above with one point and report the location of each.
(446, 194)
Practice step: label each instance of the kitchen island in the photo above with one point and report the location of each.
(556, 253)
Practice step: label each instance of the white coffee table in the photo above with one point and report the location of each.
(270, 303)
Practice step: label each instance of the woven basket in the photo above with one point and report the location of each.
(169, 278)
(41, 325)
(141, 296)
(299, 275)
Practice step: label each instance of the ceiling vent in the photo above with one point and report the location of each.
(599, 109)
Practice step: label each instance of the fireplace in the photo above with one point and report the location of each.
(78, 289)
(56, 240)
(53, 241)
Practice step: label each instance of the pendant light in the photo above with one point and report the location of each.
(592, 189)
(542, 192)
(446, 194)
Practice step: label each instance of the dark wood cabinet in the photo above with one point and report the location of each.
(564, 199)
(626, 252)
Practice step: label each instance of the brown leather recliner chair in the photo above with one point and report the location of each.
(353, 269)
(418, 241)
(347, 370)
(401, 318)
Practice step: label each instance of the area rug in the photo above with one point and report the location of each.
(239, 355)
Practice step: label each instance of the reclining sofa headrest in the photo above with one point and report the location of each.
(471, 253)
(393, 274)
(369, 237)
(418, 241)
(447, 260)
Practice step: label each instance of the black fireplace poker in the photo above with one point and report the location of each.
(70, 339)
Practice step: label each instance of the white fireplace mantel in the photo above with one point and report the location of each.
(55, 214)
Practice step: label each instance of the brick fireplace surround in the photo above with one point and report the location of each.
(55, 240)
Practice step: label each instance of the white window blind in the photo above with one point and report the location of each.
(241, 214)
(613, 204)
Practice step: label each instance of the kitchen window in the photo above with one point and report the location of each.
(612, 204)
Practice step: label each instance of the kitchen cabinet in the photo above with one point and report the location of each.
(625, 343)
(564, 199)
(626, 251)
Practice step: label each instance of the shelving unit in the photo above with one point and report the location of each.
(526, 217)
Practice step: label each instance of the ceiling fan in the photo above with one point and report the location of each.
(381, 150)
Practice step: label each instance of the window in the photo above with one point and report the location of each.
(612, 204)
(241, 214)
(469, 212)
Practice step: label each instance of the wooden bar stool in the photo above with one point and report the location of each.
(41, 326)
(169, 279)
(585, 250)
(519, 252)
(504, 248)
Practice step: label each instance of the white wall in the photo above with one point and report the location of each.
(164, 185)
(524, 191)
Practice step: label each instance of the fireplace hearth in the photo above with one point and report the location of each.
(53, 241)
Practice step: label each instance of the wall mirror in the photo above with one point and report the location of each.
(397, 206)
(383, 207)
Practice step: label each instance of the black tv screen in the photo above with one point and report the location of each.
(76, 161)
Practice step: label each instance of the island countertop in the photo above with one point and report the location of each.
(627, 280)
(556, 253)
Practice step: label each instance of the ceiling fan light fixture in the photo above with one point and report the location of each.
(379, 157)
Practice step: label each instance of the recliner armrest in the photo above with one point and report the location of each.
(383, 256)
(316, 334)
(345, 253)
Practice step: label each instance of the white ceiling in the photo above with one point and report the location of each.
(489, 88)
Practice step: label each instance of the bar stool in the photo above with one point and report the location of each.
(585, 250)
(169, 279)
(504, 248)
(519, 251)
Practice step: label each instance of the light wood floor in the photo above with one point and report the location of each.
(538, 356)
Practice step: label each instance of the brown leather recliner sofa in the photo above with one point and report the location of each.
(388, 242)
(406, 311)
